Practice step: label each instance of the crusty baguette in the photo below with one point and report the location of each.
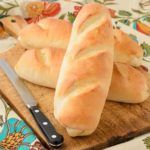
(48, 32)
(40, 66)
(13, 24)
(86, 71)
(128, 84)
(127, 50)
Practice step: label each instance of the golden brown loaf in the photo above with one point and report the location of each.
(85, 74)
(128, 84)
(126, 50)
(40, 66)
(13, 24)
(48, 32)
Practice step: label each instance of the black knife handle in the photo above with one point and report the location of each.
(55, 139)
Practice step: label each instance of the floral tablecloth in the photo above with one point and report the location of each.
(15, 134)
(133, 17)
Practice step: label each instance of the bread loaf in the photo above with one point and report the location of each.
(128, 84)
(13, 24)
(41, 66)
(48, 32)
(86, 71)
(127, 50)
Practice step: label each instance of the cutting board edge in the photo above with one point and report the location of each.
(120, 139)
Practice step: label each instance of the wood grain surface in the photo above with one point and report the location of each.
(119, 122)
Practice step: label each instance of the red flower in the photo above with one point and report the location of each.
(77, 9)
(49, 10)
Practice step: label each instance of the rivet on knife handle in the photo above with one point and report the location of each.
(54, 139)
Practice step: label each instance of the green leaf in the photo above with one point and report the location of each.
(147, 143)
(125, 21)
(54, 0)
(1, 120)
(133, 37)
(3, 16)
(11, 4)
(98, 1)
(78, 3)
(2, 8)
(146, 48)
(110, 3)
(124, 13)
(147, 18)
(138, 11)
(142, 5)
(71, 17)
(62, 16)
(108, 0)
(117, 17)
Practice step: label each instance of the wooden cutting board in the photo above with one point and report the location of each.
(119, 122)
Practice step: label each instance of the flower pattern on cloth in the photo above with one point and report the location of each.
(15, 134)
(40, 10)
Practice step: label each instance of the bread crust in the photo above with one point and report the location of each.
(127, 50)
(86, 71)
(128, 84)
(48, 32)
(40, 66)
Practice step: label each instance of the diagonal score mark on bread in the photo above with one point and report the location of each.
(35, 31)
(89, 52)
(93, 44)
(43, 56)
(86, 25)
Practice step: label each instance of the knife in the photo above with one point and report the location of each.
(54, 139)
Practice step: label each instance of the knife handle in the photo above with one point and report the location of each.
(54, 138)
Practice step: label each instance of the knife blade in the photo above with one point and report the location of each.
(54, 139)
